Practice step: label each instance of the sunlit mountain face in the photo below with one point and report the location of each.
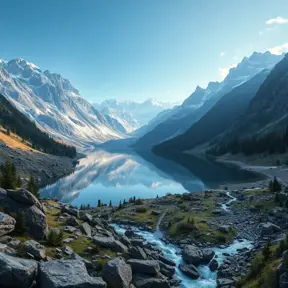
(117, 176)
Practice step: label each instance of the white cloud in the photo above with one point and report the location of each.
(222, 54)
(223, 71)
(277, 20)
(278, 50)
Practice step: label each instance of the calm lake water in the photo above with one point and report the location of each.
(117, 176)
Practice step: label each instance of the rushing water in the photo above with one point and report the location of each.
(120, 175)
(208, 278)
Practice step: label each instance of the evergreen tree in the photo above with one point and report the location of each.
(19, 181)
(120, 205)
(124, 202)
(21, 224)
(32, 187)
(275, 185)
(110, 203)
(7, 176)
(99, 203)
(266, 251)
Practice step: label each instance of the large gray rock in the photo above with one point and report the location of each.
(111, 243)
(67, 274)
(269, 229)
(193, 255)
(117, 273)
(7, 224)
(213, 265)
(167, 261)
(137, 253)
(35, 249)
(85, 216)
(152, 283)
(86, 229)
(70, 210)
(72, 221)
(148, 267)
(89, 265)
(25, 197)
(34, 216)
(189, 270)
(17, 272)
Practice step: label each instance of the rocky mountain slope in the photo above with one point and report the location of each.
(221, 116)
(267, 111)
(192, 111)
(54, 104)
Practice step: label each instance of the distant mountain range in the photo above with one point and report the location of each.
(55, 105)
(181, 118)
(132, 115)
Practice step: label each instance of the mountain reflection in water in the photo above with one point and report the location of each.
(117, 176)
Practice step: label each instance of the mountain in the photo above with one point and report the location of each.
(221, 116)
(132, 115)
(182, 118)
(12, 120)
(265, 121)
(55, 105)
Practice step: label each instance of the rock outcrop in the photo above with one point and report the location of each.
(148, 267)
(35, 249)
(193, 255)
(111, 243)
(23, 202)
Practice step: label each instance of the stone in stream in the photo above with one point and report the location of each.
(193, 255)
(117, 273)
(213, 265)
(148, 267)
(17, 272)
(225, 282)
(167, 261)
(7, 224)
(35, 249)
(129, 233)
(67, 273)
(166, 270)
(189, 270)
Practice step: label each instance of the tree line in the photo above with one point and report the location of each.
(13, 120)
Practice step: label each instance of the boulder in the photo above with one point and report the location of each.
(67, 250)
(17, 272)
(111, 243)
(224, 228)
(117, 273)
(86, 229)
(129, 233)
(148, 267)
(213, 265)
(85, 216)
(167, 261)
(125, 240)
(89, 265)
(166, 270)
(193, 255)
(35, 249)
(152, 283)
(7, 224)
(70, 210)
(137, 253)
(269, 229)
(7, 250)
(189, 270)
(25, 197)
(67, 273)
(34, 216)
(72, 221)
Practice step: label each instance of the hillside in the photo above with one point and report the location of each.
(15, 121)
(55, 105)
(225, 112)
(263, 127)
(202, 100)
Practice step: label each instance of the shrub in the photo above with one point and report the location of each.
(220, 238)
(21, 224)
(141, 209)
(55, 237)
(183, 227)
(138, 202)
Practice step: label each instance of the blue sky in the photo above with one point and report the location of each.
(139, 49)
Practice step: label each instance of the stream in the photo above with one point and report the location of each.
(207, 278)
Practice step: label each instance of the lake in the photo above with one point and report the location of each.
(116, 176)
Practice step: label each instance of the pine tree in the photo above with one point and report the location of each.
(7, 178)
(21, 224)
(110, 203)
(99, 203)
(134, 199)
(32, 187)
(266, 251)
(124, 202)
(19, 181)
(120, 205)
